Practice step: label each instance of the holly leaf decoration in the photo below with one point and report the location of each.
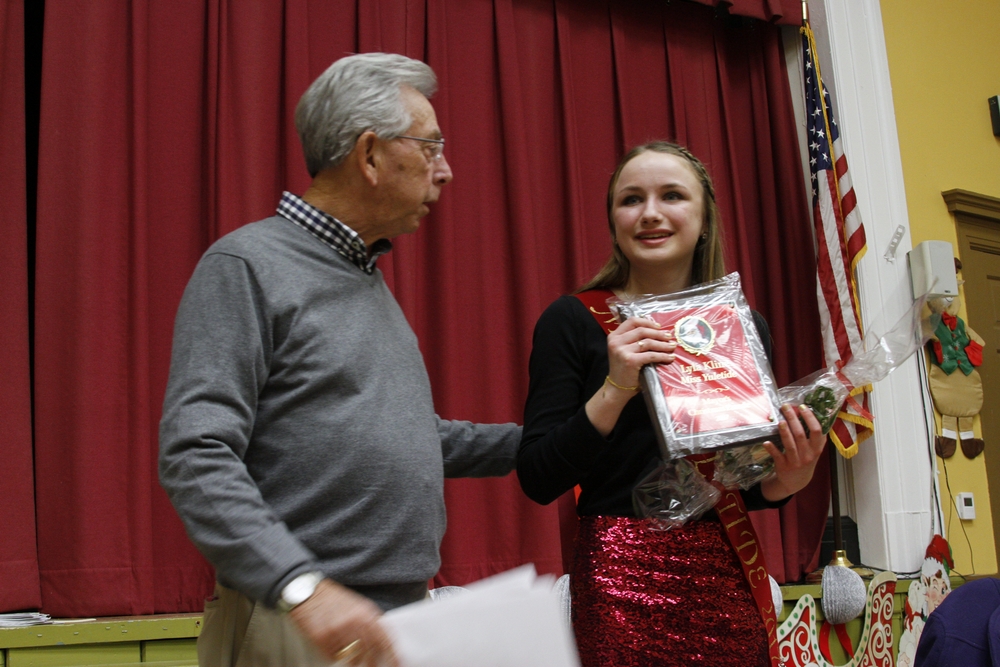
(823, 402)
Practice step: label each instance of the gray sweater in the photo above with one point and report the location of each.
(298, 428)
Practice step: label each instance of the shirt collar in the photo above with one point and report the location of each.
(332, 232)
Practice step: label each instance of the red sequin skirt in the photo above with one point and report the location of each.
(662, 598)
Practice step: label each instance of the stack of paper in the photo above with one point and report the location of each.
(20, 620)
(511, 620)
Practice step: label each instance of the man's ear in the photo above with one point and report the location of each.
(368, 153)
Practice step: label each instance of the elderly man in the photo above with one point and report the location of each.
(299, 442)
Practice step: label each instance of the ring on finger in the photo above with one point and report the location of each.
(348, 651)
(642, 344)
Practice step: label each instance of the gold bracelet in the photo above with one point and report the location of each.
(618, 386)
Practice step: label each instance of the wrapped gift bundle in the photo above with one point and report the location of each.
(719, 392)
(826, 391)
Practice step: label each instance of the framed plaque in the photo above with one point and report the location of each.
(719, 392)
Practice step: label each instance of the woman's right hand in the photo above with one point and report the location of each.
(636, 342)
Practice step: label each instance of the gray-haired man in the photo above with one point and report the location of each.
(299, 442)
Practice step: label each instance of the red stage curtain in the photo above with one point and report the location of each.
(166, 125)
(782, 12)
(19, 586)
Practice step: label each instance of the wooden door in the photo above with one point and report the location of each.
(979, 249)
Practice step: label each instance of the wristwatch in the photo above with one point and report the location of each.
(298, 590)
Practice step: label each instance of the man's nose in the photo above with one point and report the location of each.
(442, 171)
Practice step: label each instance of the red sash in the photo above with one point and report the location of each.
(730, 508)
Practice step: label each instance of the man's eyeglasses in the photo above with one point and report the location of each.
(436, 151)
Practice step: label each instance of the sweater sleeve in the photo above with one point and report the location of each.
(220, 359)
(754, 499)
(478, 450)
(559, 445)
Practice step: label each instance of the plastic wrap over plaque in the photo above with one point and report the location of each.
(743, 466)
(719, 391)
(673, 494)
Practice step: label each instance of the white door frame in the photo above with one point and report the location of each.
(889, 486)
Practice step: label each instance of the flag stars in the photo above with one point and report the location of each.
(822, 129)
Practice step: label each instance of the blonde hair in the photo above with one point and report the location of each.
(709, 260)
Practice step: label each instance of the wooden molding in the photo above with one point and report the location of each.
(972, 203)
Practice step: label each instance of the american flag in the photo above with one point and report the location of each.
(840, 244)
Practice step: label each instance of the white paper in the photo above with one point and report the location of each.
(23, 619)
(511, 620)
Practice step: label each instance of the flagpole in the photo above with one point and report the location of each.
(839, 553)
(838, 528)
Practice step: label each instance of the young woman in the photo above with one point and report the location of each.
(645, 597)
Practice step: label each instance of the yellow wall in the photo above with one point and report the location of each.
(944, 62)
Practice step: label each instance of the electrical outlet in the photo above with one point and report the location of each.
(966, 506)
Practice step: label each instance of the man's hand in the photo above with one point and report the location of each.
(344, 627)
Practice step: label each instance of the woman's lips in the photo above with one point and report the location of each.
(654, 239)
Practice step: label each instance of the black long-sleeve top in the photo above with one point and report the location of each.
(560, 448)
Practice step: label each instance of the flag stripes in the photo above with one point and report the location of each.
(840, 244)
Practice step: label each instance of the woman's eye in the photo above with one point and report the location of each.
(672, 196)
(630, 200)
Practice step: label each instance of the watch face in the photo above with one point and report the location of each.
(300, 588)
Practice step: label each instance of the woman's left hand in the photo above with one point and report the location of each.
(794, 467)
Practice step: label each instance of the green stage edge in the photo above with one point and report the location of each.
(169, 640)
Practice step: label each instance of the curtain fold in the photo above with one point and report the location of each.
(165, 126)
(19, 579)
(780, 12)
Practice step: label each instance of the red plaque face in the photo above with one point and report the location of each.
(719, 391)
(714, 383)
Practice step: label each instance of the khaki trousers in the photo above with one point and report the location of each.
(238, 632)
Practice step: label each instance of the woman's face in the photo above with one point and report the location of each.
(658, 212)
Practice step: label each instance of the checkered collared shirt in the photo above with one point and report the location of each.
(332, 232)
